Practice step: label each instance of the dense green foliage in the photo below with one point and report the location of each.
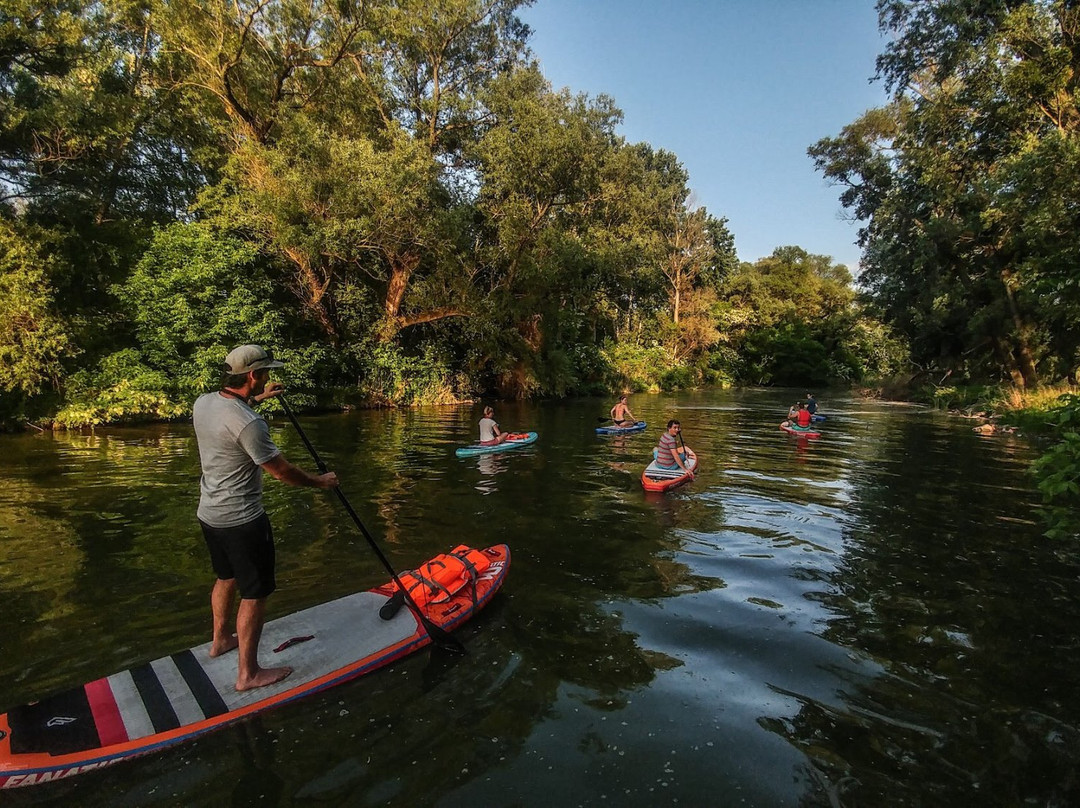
(969, 184)
(791, 319)
(392, 196)
(388, 192)
(1058, 470)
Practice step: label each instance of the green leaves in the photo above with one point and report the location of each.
(34, 338)
(196, 293)
(1058, 471)
(388, 192)
(968, 184)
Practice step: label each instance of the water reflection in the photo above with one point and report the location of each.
(489, 466)
(938, 674)
(259, 783)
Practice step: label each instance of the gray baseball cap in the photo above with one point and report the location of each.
(247, 358)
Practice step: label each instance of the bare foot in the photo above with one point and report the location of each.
(226, 645)
(264, 677)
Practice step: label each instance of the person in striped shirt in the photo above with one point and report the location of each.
(667, 454)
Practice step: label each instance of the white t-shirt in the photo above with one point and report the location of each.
(487, 430)
(234, 441)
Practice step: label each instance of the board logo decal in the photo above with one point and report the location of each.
(60, 720)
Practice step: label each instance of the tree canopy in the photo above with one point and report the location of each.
(968, 182)
(388, 191)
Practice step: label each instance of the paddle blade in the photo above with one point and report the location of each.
(441, 639)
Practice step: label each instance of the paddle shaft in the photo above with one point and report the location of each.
(686, 459)
(438, 636)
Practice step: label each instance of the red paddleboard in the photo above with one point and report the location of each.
(657, 478)
(184, 695)
(806, 432)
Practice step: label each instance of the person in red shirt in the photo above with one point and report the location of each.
(802, 418)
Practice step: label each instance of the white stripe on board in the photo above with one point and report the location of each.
(129, 702)
(180, 695)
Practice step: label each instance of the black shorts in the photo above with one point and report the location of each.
(244, 552)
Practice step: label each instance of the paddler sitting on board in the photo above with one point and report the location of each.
(234, 450)
(621, 415)
(811, 404)
(668, 455)
(490, 434)
(801, 420)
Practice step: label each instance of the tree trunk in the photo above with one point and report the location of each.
(1008, 361)
(430, 315)
(401, 269)
(311, 288)
(1022, 350)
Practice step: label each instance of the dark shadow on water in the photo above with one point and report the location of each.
(259, 783)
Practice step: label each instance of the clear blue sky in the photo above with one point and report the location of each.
(737, 89)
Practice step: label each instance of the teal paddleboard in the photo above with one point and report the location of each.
(514, 441)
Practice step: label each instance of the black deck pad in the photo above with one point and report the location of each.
(207, 696)
(57, 725)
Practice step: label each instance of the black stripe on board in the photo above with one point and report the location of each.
(154, 698)
(210, 701)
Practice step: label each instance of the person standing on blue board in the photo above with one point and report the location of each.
(811, 403)
(490, 435)
(668, 455)
(621, 414)
(234, 450)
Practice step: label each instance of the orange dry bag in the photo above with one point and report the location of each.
(438, 580)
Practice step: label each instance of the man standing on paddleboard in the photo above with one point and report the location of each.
(234, 450)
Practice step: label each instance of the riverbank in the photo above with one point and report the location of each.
(1048, 416)
(1004, 407)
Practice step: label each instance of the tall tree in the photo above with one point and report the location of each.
(970, 240)
(350, 123)
(86, 119)
(540, 168)
(689, 251)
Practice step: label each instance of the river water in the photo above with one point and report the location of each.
(872, 618)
